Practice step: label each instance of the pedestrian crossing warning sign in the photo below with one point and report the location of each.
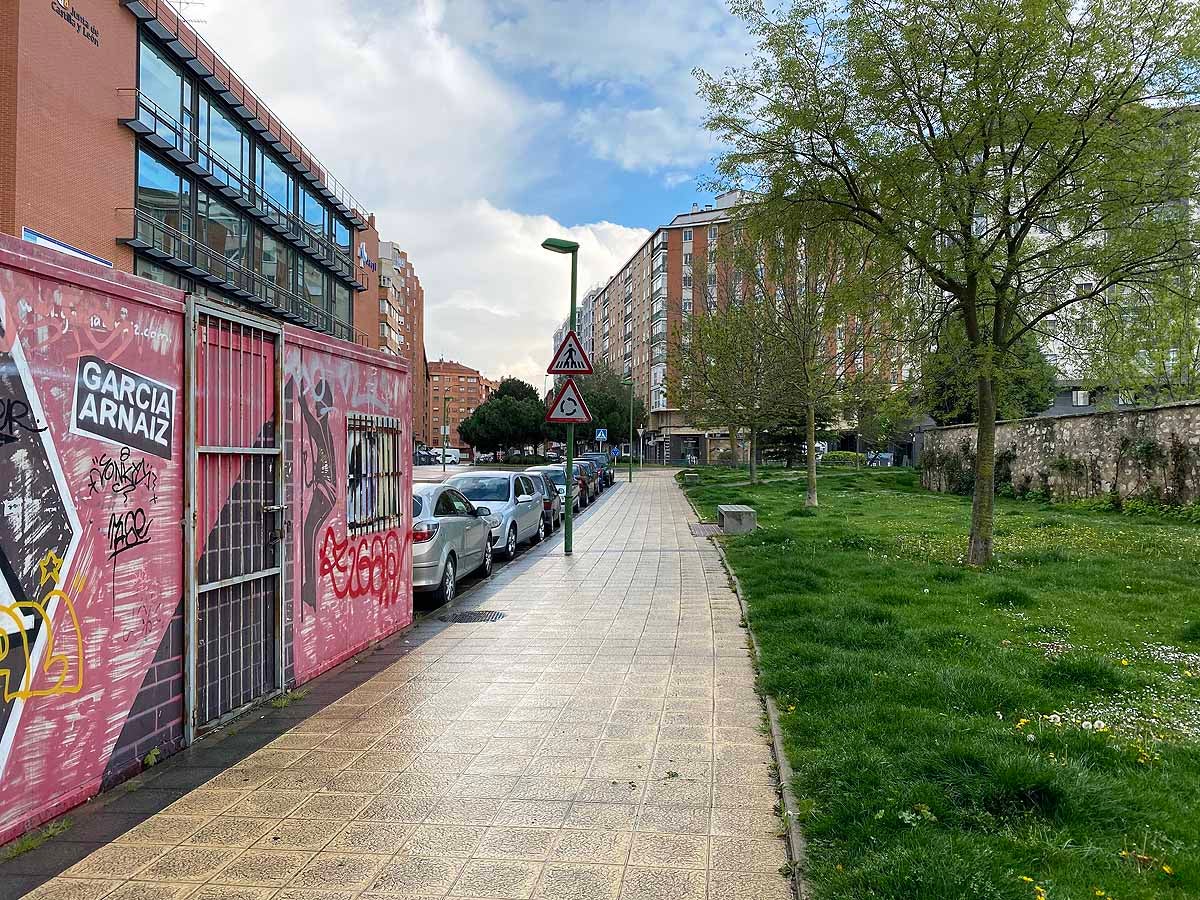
(567, 407)
(570, 359)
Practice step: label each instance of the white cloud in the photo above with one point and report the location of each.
(409, 106)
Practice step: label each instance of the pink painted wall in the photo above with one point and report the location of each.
(350, 587)
(91, 501)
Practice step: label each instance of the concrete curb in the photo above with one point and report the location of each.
(797, 846)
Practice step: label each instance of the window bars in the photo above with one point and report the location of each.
(375, 477)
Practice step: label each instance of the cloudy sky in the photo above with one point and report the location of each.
(473, 129)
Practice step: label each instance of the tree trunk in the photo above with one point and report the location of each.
(979, 549)
(810, 439)
(753, 454)
(733, 448)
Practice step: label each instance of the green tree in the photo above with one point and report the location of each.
(511, 418)
(832, 305)
(1024, 379)
(517, 389)
(1002, 150)
(727, 369)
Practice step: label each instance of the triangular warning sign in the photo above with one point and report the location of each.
(567, 407)
(570, 359)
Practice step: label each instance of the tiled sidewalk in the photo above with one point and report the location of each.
(601, 741)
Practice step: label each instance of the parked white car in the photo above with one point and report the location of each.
(515, 498)
(451, 455)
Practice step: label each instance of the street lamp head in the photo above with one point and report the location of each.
(558, 245)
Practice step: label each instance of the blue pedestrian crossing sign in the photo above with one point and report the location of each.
(601, 435)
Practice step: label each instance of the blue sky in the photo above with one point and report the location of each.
(475, 128)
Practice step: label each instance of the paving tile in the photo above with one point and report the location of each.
(482, 878)
(230, 831)
(370, 837)
(732, 854)
(73, 889)
(264, 867)
(163, 829)
(510, 842)
(748, 886)
(577, 881)
(297, 834)
(443, 840)
(148, 890)
(592, 846)
(188, 864)
(415, 876)
(669, 851)
(663, 884)
(338, 871)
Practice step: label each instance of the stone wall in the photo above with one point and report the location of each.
(1152, 453)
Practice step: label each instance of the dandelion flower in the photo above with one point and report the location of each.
(1168, 869)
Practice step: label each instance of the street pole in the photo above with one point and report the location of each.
(569, 526)
(445, 428)
(557, 245)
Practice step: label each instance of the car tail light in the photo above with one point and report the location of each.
(424, 531)
(546, 504)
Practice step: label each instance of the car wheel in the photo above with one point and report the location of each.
(510, 546)
(541, 532)
(449, 585)
(488, 559)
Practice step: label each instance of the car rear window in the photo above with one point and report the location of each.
(482, 487)
(416, 506)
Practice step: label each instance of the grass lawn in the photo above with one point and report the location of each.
(1032, 731)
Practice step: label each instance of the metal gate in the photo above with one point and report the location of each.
(235, 520)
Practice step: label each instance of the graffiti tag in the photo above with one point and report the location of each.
(15, 415)
(370, 566)
(123, 475)
(127, 530)
(17, 621)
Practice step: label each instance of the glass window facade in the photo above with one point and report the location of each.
(187, 216)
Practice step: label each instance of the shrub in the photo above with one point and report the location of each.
(843, 458)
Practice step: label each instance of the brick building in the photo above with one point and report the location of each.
(461, 389)
(625, 323)
(398, 324)
(126, 139)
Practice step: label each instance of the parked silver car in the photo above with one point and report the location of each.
(451, 538)
(552, 498)
(515, 499)
(558, 477)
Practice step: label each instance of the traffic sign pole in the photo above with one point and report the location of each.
(569, 525)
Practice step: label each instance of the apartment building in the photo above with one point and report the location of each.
(626, 323)
(585, 324)
(397, 323)
(455, 391)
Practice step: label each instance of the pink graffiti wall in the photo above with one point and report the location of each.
(91, 480)
(352, 569)
(92, 487)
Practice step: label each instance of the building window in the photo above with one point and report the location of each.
(164, 197)
(151, 272)
(230, 157)
(313, 212)
(223, 232)
(162, 84)
(275, 260)
(343, 309)
(712, 232)
(375, 477)
(687, 234)
(274, 182)
(1080, 398)
(687, 281)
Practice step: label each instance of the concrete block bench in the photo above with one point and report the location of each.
(691, 477)
(737, 519)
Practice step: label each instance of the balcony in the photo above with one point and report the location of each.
(203, 62)
(168, 246)
(658, 353)
(158, 129)
(660, 243)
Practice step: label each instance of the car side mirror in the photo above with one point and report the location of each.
(482, 512)
(525, 498)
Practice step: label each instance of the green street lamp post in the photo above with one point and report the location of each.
(445, 428)
(557, 245)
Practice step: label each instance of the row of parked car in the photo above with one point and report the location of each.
(461, 523)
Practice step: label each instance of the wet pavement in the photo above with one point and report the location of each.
(595, 737)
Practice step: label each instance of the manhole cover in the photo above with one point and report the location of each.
(474, 615)
(704, 529)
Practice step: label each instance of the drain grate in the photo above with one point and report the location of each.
(704, 529)
(474, 615)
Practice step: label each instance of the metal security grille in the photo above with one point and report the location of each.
(375, 480)
(235, 494)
